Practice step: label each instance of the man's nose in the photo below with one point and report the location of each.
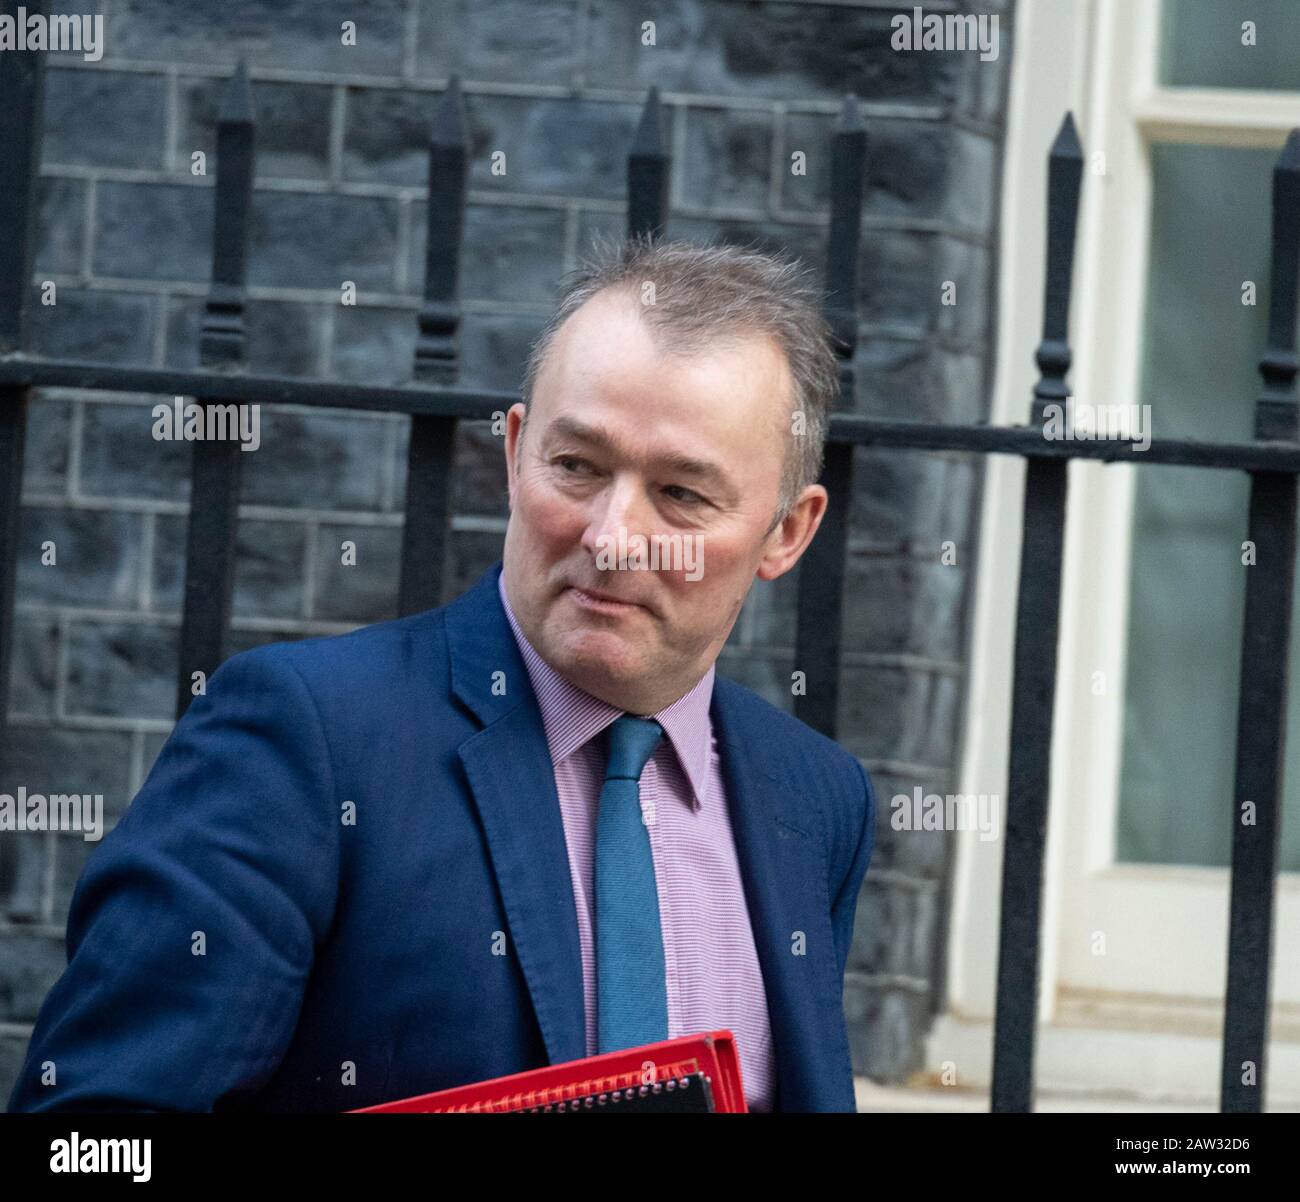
(622, 505)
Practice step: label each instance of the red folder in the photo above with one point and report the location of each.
(598, 1082)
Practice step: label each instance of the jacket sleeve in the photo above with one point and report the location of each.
(193, 926)
(844, 907)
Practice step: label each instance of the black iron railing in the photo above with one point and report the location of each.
(435, 404)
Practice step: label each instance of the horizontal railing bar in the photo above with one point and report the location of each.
(480, 404)
(440, 400)
(1029, 442)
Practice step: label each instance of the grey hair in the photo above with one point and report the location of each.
(703, 293)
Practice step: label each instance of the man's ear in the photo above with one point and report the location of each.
(516, 418)
(787, 543)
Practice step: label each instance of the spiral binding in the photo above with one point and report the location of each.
(611, 1098)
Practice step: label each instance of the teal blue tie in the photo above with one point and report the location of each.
(631, 997)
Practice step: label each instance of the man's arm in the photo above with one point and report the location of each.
(193, 926)
(846, 900)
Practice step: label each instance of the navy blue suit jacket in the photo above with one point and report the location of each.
(345, 881)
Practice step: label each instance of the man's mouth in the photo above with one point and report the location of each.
(601, 603)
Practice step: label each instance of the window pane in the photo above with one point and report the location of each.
(1209, 235)
(1206, 44)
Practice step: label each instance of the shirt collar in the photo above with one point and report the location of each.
(571, 716)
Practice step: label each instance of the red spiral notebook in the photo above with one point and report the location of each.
(692, 1073)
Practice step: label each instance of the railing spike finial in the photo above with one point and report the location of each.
(848, 174)
(237, 97)
(1276, 415)
(436, 344)
(850, 117)
(221, 337)
(1289, 159)
(647, 172)
(449, 126)
(1064, 179)
(1066, 144)
(650, 129)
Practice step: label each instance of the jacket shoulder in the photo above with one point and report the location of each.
(377, 655)
(793, 742)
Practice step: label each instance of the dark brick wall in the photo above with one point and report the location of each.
(125, 231)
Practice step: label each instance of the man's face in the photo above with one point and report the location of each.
(612, 416)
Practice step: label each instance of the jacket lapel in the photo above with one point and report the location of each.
(783, 867)
(509, 769)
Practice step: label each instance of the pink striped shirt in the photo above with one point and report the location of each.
(711, 965)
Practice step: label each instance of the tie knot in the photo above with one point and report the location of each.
(632, 742)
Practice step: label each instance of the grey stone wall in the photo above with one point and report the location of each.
(125, 232)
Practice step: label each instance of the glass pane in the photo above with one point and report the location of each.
(1230, 44)
(1209, 236)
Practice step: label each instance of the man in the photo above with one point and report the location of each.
(530, 825)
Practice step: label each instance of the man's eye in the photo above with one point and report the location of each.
(572, 465)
